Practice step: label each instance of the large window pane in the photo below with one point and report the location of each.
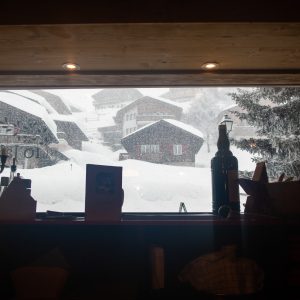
(164, 138)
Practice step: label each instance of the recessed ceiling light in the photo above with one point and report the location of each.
(210, 66)
(71, 67)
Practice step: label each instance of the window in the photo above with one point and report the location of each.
(149, 149)
(177, 149)
(157, 177)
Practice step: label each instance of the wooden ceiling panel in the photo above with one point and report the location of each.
(145, 49)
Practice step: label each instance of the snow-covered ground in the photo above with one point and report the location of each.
(203, 157)
(148, 187)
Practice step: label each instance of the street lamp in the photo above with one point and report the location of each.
(228, 122)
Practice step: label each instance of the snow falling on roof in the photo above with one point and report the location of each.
(36, 98)
(183, 126)
(159, 99)
(166, 101)
(30, 107)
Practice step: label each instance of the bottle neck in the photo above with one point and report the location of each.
(223, 141)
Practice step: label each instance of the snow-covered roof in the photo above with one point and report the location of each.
(36, 98)
(60, 105)
(29, 107)
(167, 101)
(116, 95)
(69, 119)
(181, 125)
(65, 118)
(185, 127)
(121, 111)
(140, 129)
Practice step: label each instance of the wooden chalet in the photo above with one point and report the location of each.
(144, 111)
(60, 113)
(166, 141)
(33, 131)
(55, 101)
(30, 117)
(70, 130)
(115, 98)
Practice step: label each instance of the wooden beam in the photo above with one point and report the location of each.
(138, 79)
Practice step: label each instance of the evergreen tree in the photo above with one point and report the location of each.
(275, 112)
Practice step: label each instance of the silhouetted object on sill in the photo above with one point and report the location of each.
(182, 208)
(279, 198)
(104, 194)
(16, 202)
(224, 171)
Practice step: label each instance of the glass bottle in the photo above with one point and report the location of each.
(224, 170)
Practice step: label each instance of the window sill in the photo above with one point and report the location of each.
(140, 219)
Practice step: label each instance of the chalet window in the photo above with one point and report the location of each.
(149, 149)
(177, 149)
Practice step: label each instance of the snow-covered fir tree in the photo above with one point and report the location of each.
(275, 112)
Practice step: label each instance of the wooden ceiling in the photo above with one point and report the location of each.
(164, 46)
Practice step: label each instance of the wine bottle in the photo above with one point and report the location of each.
(224, 170)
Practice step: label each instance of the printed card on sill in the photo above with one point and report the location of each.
(104, 194)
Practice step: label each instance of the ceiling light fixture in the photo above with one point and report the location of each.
(71, 67)
(210, 66)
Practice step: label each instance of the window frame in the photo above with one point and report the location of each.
(177, 149)
(153, 148)
(146, 215)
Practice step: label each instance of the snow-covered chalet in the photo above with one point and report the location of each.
(144, 111)
(165, 141)
(33, 131)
